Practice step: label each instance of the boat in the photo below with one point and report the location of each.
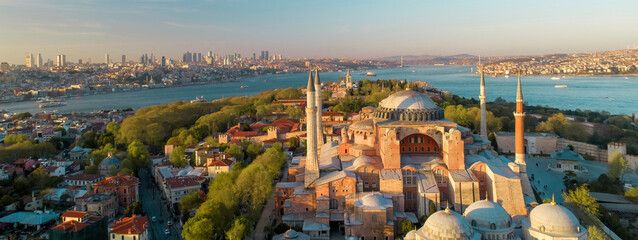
(560, 86)
(555, 78)
(51, 104)
(371, 74)
(198, 99)
(243, 86)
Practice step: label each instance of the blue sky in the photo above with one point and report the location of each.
(300, 28)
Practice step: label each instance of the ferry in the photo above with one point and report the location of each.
(198, 99)
(555, 78)
(243, 86)
(51, 104)
(371, 74)
(560, 86)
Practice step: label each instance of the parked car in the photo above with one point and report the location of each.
(167, 232)
(154, 219)
(169, 223)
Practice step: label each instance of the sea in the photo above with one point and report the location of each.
(616, 95)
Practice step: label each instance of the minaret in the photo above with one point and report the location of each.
(312, 163)
(519, 116)
(483, 110)
(319, 104)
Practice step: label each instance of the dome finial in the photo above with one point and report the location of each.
(553, 202)
(447, 208)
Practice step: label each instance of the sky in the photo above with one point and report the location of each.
(352, 29)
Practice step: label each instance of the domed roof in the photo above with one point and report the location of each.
(408, 105)
(365, 160)
(448, 225)
(484, 213)
(554, 219)
(373, 201)
(411, 235)
(290, 234)
(408, 99)
(366, 125)
(110, 160)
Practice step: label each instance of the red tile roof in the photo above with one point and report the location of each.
(116, 181)
(179, 182)
(74, 214)
(221, 163)
(130, 225)
(71, 226)
(244, 133)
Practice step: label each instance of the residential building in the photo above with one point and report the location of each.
(130, 228)
(126, 187)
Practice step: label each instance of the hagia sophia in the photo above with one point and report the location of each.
(407, 161)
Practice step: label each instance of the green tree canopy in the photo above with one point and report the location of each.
(16, 138)
(236, 151)
(581, 198)
(288, 93)
(177, 157)
(239, 230)
(616, 165)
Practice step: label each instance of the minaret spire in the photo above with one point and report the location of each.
(519, 116)
(312, 162)
(319, 105)
(483, 106)
(348, 80)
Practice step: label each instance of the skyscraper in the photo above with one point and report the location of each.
(123, 59)
(38, 61)
(30, 60)
(107, 59)
(163, 63)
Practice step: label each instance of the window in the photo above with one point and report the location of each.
(334, 204)
(493, 226)
(374, 218)
(473, 223)
(409, 149)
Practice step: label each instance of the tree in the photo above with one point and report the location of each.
(239, 229)
(581, 198)
(113, 128)
(294, 113)
(293, 143)
(594, 233)
(113, 171)
(91, 169)
(18, 138)
(252, 150)
(236, 151)
(177, 157)
(99, 155)
(138, 156)
(190, 201)
(199, 228)
(135, 208)
(616, 165)
(288, 93)
(21, 116)
(406, 226)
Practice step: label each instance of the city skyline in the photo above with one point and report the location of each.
(89, 29)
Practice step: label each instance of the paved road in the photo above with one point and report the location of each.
(153, 206)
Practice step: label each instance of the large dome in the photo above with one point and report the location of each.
(554, 219)
(410, 106)
(448, 225)
(483, 214)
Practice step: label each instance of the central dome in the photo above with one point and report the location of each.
(410, 106)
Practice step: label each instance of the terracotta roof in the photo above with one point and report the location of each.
(83, 177)
(221, 163)
(116, 181)
(130, 225)
(179, 182)
(71, 226)
(74, 214)
(331, 113)
(244, 133)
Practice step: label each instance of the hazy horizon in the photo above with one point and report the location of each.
(318, 29)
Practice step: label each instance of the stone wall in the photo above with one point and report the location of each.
(584, 148)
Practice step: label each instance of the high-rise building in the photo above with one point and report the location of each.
(123, 59)
(58, 61)
(163, 63)
(254, 56)
(63, 60)
(38, 61)
(80, 61)
(30, 60)
(107, 59)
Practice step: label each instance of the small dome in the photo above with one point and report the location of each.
(447, 225)
(484, 213)
(365, 160)
(291, 234)
(366, 125)
(554, 219)
(411, 235)
(409, 106)
(110, 160)
(373, 201)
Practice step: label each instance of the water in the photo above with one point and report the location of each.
(616, 95)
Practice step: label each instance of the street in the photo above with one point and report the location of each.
(152, 204)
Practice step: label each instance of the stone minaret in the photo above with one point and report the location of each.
(519, 116)
(319, 104)
(312, 162)
(483, 110)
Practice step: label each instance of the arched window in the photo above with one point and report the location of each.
(473, 223)
(493, 226)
